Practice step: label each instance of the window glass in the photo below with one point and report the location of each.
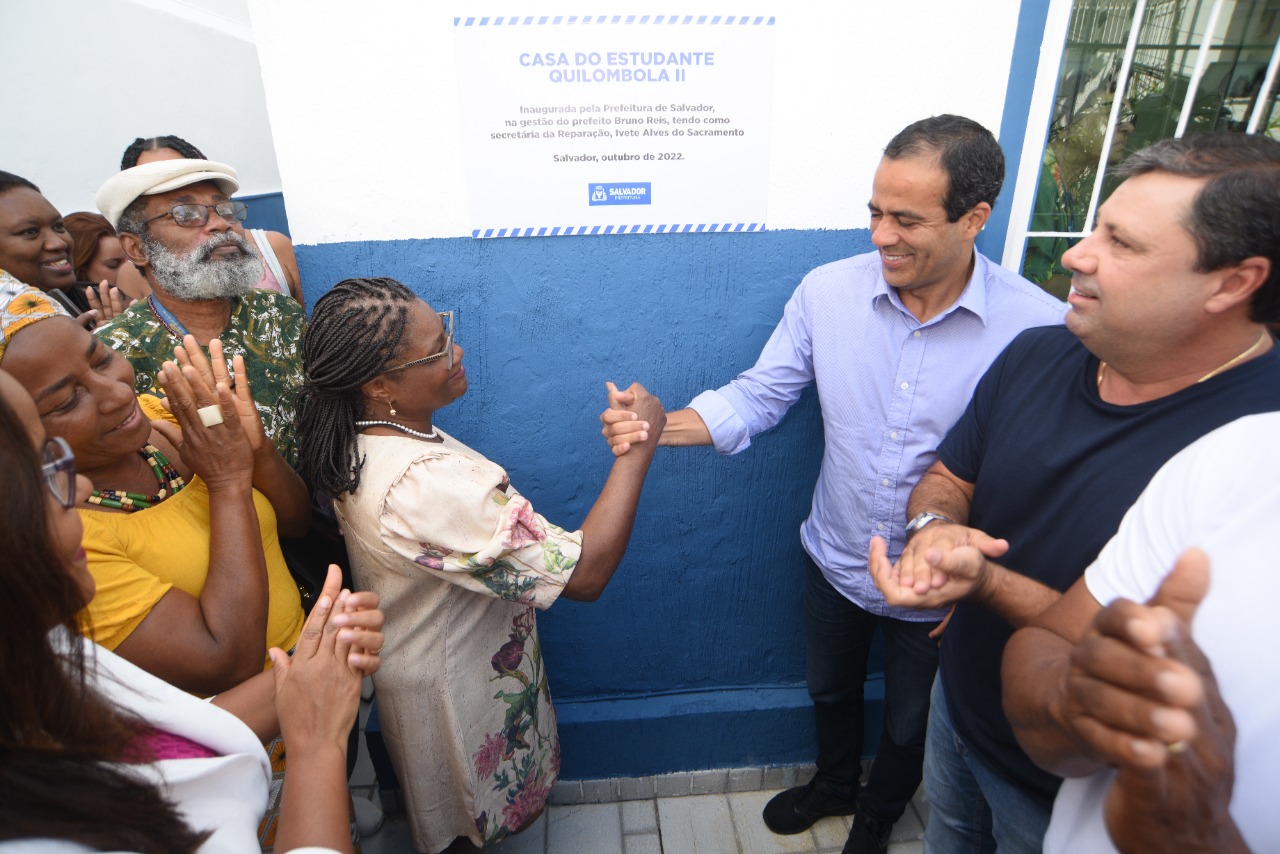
(1155, 72)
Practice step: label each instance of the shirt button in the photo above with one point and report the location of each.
(904, 385)
(893, 435)
(915, 334)
(879, 526)
(884, 482)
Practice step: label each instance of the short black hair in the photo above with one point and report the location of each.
(10, 181)
(1236, 214)
(157, 143)
(967, 152)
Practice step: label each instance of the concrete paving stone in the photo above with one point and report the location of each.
(639, 817)
(600, 791)
(673, 785)
(698, 824)
(908, 827)
(531, 840)
(914, 846)
(362, 774)
(574, 829)
(744, 780)
(637, 788)
(642, 843)
(394, 837)
(711, 782)
(566, 792)
(921, 807)
(754, 837)
(832, 832)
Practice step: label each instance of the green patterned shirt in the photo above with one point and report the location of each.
(265, 328)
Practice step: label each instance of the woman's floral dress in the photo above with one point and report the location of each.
(460, 560)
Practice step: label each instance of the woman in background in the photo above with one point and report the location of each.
(97, 256)
(35, 247)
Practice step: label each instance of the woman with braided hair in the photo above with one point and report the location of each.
(458, 557)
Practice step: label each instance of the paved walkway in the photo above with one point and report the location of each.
(694, 824)
(724, 822)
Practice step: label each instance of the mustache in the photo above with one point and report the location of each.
(206, 250)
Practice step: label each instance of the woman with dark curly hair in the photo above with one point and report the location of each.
(458, 557)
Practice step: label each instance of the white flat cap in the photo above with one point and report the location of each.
(160, 176)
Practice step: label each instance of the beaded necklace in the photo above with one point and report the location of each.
(171, 483)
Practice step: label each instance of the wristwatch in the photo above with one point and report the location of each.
(922, 519)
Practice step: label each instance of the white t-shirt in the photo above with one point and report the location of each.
(1221, 494)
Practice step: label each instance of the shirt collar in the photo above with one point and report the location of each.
(972, 299)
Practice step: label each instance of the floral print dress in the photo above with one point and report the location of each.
(460, 560)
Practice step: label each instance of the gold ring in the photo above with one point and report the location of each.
(378, 651)
(1177, 747)
(211, 415)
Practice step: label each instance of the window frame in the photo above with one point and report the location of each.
(1048, 70)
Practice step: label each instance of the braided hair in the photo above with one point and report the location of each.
(354, 331)
(156, 143)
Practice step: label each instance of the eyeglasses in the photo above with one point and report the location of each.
(447, 353)
(196, 215)
(59, 470)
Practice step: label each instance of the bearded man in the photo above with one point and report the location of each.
(180, 228)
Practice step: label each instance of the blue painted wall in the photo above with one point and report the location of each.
(267, 211)
(693, 658)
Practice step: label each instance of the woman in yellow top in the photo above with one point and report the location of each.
(182, 533)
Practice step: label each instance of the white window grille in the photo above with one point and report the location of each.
(1115, 76)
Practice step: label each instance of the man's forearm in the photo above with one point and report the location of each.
(684, 427)
(1012, 595)
(938, 493)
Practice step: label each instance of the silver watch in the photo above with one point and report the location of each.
(925, 518)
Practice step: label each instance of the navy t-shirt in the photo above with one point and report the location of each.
(1054, 469)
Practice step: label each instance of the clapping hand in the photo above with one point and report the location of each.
(1142, 697)
(940, 565)
(213, 370)
(219, 452)
(107, 300)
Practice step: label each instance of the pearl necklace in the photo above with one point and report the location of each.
(403, 429)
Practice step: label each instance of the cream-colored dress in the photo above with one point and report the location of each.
(460, 560)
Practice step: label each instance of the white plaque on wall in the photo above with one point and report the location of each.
(616, 124)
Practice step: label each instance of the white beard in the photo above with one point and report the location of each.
(198, 275)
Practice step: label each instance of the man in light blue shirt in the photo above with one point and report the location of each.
(895, 340)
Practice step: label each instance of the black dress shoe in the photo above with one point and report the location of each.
(868, 836)
(795, 810)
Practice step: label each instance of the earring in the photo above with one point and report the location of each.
(393, 410)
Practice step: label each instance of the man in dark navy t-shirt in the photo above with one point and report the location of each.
(1165, 341)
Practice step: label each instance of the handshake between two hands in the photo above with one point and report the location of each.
(634, 417)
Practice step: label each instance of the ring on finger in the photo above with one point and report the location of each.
(1177, 747)
(378, 651)
(211, 415)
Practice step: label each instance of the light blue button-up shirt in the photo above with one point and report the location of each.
(890, 389)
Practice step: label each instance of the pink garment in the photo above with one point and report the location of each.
(157, 744)
(269, 281)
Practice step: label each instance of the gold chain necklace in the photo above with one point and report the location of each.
(1102, 366)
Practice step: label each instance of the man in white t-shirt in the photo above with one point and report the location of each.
(1163, 715)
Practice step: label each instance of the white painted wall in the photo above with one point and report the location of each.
(83, 78)
(363, 99)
